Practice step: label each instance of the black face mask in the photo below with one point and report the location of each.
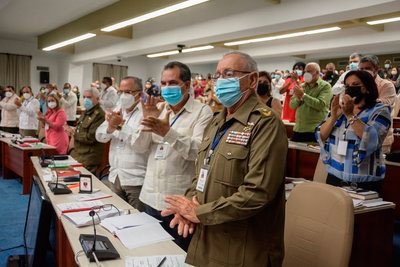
(355, 91)
(329, 73)
(263, 89)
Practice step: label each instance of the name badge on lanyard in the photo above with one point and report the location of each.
(342, 148)
(201, 182)
(161, 151)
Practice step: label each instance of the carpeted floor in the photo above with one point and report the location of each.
(13, 207)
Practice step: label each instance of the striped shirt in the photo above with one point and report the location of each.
(364, 161)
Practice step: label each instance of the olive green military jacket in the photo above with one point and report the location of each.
(242, 204)
(87, 150)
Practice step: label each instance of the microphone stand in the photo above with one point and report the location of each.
(92, 213)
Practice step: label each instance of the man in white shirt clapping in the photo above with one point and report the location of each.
(109, 95)
(69, 101)
(127, 166)
(27, 111)
(171, 133)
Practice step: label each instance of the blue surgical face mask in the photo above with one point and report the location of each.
(87, 103)
(353, 66)
(172, 94)
(299, 72)
(228, 91)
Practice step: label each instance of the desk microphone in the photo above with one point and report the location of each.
(58, 189)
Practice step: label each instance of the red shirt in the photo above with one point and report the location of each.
(288, 113)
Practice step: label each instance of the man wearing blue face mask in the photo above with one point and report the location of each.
(171, 134)
(236, 201)
(354, 60)
(87, 150)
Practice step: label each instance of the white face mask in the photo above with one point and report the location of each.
(308, 77)
(52, 104)
(127, 100)
(26, 95)
(9, 94)
(53, 92)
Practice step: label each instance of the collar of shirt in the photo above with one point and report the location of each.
(188, 106)
(317, 84)
(243, 113)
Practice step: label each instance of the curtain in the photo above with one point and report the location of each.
(15, 70)
(109, 70)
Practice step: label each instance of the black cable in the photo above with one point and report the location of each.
(19, 246)
(92, 213)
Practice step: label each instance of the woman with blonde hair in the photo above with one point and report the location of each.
(54, 122)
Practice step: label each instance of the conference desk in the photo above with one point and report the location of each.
(289, 128)
(373, 227)
(16, 160)
(396, 122)
(67, 234)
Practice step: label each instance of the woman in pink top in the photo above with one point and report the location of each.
(54, 122)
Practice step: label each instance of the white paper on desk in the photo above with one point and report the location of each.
(83, 218)
(131, 220)
(154, 261)
(143, 235)
(376, 204)
(92, 196)
(79, 205)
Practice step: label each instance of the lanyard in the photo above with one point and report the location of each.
(217, 138)
(176, 118)
(126, 123)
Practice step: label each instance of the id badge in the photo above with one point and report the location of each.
(161, 152)
(201, 182)
(342, 148)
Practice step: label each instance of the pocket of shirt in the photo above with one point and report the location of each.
(231, 164)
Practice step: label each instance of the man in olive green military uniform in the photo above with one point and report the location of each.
(87, 150)
(236, 203)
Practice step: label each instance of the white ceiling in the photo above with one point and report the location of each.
(26, 19)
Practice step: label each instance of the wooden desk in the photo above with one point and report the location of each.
(16, 160)
(67, 235)
(396, 122)
(289, 128)
(396, 143)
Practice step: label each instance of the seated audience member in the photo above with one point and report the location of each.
(127, 167)
(68, 102)
(277, 83)
(330, 75)
(9, 116)
(53, 123)
(351, 137)
(108, 96)
(87, 150)
(386, 93)
(295, 78)
(264, 92)
(171, 135)
(311, 101)
(28, 110)
(237, 198)
(354, 60)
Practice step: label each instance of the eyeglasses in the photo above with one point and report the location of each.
(131, 92)
(105, 207)
(227, 73)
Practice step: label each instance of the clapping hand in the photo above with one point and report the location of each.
(114, 120)
(17, 102)
(150, 118)
(348, 105)
(336, 110)
(41, 117)
(298, 91)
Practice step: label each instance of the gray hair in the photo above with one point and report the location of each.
(93, 91)
(315, 66)
(136, 81)
(372, 59)
(355, 54)
(251, 64)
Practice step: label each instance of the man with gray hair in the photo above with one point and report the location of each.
(87, 150)
(237, 197)
(127, 166)
(354, 60)
(386, 91)
(311, 101)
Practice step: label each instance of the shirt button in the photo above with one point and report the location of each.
(229, 153)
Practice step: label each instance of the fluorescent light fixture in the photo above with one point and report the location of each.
(153, 14)
(70, 41)
(283, 36)
(162, 54)
(199, 48)
(381, 21)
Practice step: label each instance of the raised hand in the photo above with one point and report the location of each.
(336, 110)
(150, 107)
(158, 126)
(17, 102)
(348, 105)
(114, 120)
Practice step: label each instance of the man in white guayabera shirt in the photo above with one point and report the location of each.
(172, 133)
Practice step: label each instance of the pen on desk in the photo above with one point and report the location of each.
(76, 210)
(161, 262)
